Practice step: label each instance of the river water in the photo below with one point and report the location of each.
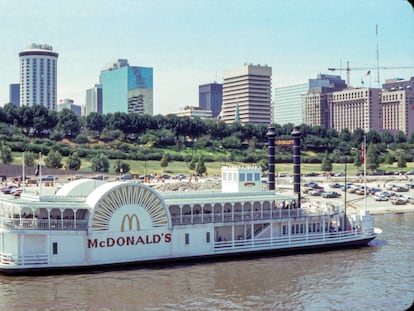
(377, 277)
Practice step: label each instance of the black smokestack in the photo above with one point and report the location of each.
(271, 135)
(296, 134)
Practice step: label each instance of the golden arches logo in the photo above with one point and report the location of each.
(130, 220)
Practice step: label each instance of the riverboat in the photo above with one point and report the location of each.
(93, 223)
(90, 223)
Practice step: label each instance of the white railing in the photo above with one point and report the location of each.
(287, 241)
(32, 259)
(43, 224)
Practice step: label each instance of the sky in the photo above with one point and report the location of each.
(192, 42)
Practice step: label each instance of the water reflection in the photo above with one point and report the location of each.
(378, 277)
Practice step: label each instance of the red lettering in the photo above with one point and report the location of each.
(120, 241)
(110, 242)
(147, 239)
(140, 240)
(102, 244)
(156, 238)
(130, 240)
(93, 243)
(167, 238)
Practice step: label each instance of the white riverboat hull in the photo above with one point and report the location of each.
(90, 225)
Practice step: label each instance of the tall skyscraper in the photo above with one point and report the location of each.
(14, 94)
(38, 76)
(248, 89)
(210, 97)
(93, 100)
(127, 88)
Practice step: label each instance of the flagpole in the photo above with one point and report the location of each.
(365, 175)
(40, 174)
(23, 177)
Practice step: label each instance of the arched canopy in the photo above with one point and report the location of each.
(127, 206)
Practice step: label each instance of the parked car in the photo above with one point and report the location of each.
(410, 185)
(330, 194)
(399, 201)
(311, 174)
(310, 184)
(380, 197)
(335, 185)
(410, 172)
(179, 176)
(126, 176)
(315, 192)
(399, 188)
(8, 189)
(48, 178)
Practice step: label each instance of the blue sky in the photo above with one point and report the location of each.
(189, 43)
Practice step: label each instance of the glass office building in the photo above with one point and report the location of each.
(127, 89)
(288, 107)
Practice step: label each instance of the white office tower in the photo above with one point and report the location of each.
(38, 76)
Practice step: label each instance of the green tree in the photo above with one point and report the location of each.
(121, 167)
(389, 159)
(193, 163)
(164, 161)
(358, 159)
(200, 167)
(53, 159)
(372, 156)
(29, 158)
(100, 163)
(6, 154)
(73, 162)
(400, 137)
(69, 122)
(326, 163)
(402, 162)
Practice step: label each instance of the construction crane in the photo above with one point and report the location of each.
(348, 70)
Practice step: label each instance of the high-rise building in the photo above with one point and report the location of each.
(127, 88)
(38, 76)
(248, 90)
(317, 102)
(93, 100)
(210, 97)
(68, 103)
(356, 108)
(398, 106)
(288, 103)
(14, 94)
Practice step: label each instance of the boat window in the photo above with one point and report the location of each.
(256, 176)
(55, 248)
(249, 177)
(187, 238)
(242, 177)
(207, 237)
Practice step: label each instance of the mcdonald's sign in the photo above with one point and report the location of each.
(130, 221)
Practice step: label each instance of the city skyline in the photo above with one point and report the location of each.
(191, 43)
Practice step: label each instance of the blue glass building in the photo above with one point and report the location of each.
(127, 89)
(210, 97)
(14, 94)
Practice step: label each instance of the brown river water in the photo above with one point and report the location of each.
(377, 277)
